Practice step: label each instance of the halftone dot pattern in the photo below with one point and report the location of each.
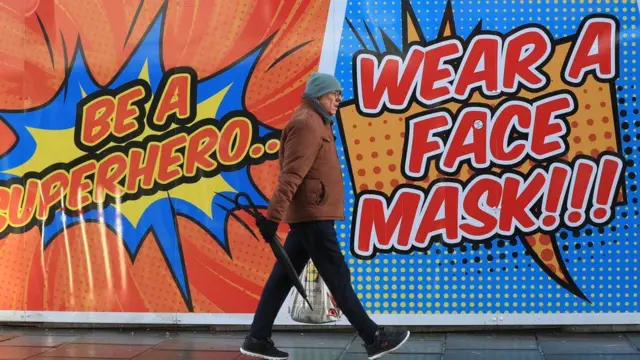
(501, 276)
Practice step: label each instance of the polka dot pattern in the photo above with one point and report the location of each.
(500, 276)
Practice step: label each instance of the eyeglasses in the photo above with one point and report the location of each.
(338, 94)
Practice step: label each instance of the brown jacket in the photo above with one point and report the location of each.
(310, 180)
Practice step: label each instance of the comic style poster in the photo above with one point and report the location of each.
(488, 151)
(124, 125)
(492, 155)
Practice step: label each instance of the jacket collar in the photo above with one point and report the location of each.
(317, 107)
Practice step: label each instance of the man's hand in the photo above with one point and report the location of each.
(267, 228)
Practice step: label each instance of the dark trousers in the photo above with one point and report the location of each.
(316, 240)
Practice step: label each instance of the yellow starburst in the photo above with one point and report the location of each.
(58, 147)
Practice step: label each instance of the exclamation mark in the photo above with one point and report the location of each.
(559, 175)
(581, 183)
(609, 172)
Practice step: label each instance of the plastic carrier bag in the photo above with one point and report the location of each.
(324, 306)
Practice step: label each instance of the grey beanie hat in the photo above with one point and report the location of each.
(320, 84)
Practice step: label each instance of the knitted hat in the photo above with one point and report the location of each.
(320, 84)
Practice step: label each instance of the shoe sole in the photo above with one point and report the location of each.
(249, 353)
(377, 356)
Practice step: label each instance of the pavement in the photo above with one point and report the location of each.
(84, 344)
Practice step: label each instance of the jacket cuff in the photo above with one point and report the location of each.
(273, 215)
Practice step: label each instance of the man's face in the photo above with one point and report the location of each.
(330, 101)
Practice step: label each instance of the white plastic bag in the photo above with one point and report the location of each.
(324, 307)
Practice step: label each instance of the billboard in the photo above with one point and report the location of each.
(488, 152)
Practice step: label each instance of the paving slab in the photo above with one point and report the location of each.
(120, 338)
(187, 355)
(308, 354)
(410, 347)
(20, 352)
(589, 344)
(492, 354)
(98, 351)
(209, 334)
(593, 357)
(428, 336)
(37, 341)
(58, 332)
(63, 358)
(582, 336)
(635, 339)
(312, 340)
(394, 356)
(491, 342)
(8, 333)
(5, 338)
(201, 344)
(18, 331)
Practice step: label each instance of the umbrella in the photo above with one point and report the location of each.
(275, 242)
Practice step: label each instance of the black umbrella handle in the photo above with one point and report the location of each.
(252, 210)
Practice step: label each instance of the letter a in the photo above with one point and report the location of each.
(594, 51)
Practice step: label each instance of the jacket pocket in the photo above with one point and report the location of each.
(323, 194)
(314, 191)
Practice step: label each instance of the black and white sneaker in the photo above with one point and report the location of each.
(262, 349)
(385, 343)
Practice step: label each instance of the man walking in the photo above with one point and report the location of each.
(309, 197)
